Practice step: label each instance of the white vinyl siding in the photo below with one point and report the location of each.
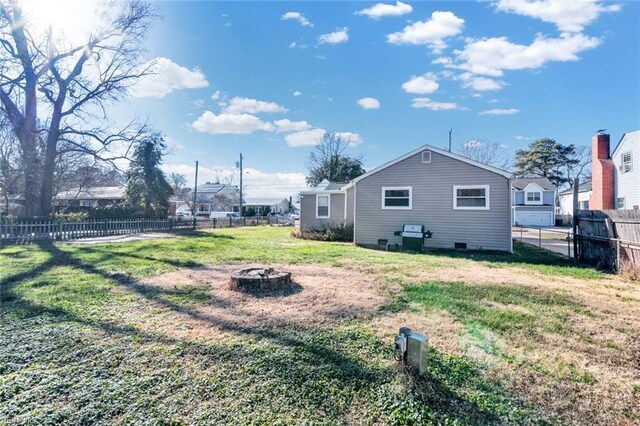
(323, 206)
(627, 175)
(471, 197)
(397, 197)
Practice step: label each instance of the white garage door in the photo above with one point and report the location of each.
(543, 218)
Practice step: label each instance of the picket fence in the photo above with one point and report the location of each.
(31, 231)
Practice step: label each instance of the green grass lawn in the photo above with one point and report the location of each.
(83, 343)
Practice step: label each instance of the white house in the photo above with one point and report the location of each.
(627, 174)
(565, 198)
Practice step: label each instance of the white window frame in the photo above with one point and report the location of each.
(526, 198)
(397, 188)
(487, 196)
(328, 206)
(85, 203)
(426, 161)
(623, 163)
(621, 206)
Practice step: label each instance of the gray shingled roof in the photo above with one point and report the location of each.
(584, 187)
(93, 193)
(521, 183)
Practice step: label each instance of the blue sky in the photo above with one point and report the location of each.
(267, 78)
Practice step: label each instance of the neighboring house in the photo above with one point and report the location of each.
(210, 197)
(565, 199)
(615, 179)
(13, 204)
(262, 206)
(90, 197)
(464, 203)
(533, 202)
(627, 174)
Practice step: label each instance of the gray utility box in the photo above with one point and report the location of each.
(411, 348)
(417, 351)
(413, 237)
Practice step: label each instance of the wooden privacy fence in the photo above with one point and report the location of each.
(30, 231)
(608, 238)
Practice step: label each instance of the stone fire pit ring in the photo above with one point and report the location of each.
(251, 280)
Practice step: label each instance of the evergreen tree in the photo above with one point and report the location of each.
(147, 186)
(546, 158)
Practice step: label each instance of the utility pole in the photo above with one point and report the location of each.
(240, 167)
(450, 130)
(195, 195)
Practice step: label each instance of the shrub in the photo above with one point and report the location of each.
(71, 217)
(339, 232)
(629, 270)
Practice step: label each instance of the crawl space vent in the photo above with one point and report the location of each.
(460, 246)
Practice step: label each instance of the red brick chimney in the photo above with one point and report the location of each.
(602, 179)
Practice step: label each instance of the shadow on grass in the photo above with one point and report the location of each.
(322, 369)
(503, 309)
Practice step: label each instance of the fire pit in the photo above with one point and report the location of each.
(260, 279)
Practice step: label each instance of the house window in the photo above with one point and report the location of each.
(86, 203)
(397, 197)
(471, 197)
(534, 197)
(627, 160)
(583, 205)
(426, 156)
(323, 203)
(621, 203)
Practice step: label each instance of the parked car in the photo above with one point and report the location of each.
(222, 215)
(274, 214)
(294, 216)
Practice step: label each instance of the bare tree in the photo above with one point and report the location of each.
(42, 74)
(579, 164)
(492, 154)
(328, 161)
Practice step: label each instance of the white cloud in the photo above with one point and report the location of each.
(341, 35)
(292, 45)
(287, 125)
(481, 84)
(568, 16)
(166, 77)
(433, 105)
(499, 111)
(380, 10)
(311, 138)
(216, 95)
(369, 103)
(238, 105)
(258, 183)
(297, 93)
(353, 138)
(522, 138)
(432, 32)
(225, 123)
(304, 138)
(421, 85)
(297, 16)
(493, 55)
